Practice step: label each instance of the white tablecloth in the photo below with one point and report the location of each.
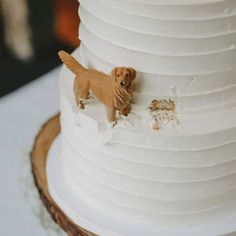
(21, 115)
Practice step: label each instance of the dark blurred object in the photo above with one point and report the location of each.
(47, 37)
(17, 32)
(66, 28)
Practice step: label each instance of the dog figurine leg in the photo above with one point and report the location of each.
(126, 111)
(80, 103)
(81, 91)
(112, 115)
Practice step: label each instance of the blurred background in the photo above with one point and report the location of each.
(31, 33)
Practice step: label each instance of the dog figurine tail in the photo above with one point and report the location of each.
(71, 63)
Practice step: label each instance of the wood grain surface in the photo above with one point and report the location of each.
(39, 154)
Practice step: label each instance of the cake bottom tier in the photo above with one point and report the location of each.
(152, 194)
(77, 207)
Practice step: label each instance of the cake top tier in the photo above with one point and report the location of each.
(182, 49)
(176, 2)
(174, 9)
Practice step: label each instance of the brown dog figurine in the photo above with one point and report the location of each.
(114, 90)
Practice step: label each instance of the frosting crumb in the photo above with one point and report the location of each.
(163, 113)
(162, 104)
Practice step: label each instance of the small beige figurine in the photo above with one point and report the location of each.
(114, 90)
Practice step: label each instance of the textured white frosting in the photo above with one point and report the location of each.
(184, 57)
(184, 50)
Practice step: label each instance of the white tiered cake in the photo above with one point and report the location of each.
(130, 179)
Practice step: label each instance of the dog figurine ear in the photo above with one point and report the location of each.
(133, 73)
(113, 73)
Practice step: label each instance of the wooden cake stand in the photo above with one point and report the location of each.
(39, 154)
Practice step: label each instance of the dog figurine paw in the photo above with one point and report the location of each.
(115, 90)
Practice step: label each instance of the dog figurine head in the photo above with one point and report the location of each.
(123, 77)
